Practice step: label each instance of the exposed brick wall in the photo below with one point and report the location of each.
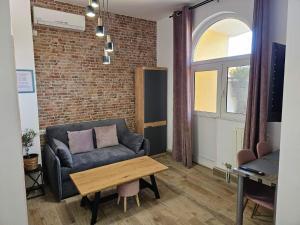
(72, 83)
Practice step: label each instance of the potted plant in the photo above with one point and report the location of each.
(30, 160)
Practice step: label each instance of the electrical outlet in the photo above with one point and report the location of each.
(34, 33)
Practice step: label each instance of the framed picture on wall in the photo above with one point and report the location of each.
(25, 81)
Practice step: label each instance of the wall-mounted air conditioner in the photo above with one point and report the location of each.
(59, 19)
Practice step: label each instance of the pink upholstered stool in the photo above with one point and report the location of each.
(128, 190)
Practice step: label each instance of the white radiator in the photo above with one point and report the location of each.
(238, 142)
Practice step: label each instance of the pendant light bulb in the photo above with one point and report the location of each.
(109, 46)
(100, 30)
(90, 11)
(95, 4)
(106, 58)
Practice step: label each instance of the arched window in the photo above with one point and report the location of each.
(225, 38)
(221, 59)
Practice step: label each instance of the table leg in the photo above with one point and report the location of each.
(95, 206)
(154, 186)
(43, 183)
(275, 206)
(36, 185)
(84, 201)
(240, 201)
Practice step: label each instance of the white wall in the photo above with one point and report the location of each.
(24, 58)
(13, 208)
(288, 199)
(214, 142)
(165, 59)
(212, 137)
(278, 21)
(218, 147)
(277, 33)
(242, 9)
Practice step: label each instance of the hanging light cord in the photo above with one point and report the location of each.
(99, 9)
(103, 13)
(107, 14)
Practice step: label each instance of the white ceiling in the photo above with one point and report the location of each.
(145, 9)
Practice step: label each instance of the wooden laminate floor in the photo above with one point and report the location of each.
(188, 196)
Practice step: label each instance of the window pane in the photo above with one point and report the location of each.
(206, 84)
(237, 89)
(228, 37)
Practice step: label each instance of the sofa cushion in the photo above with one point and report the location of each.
(106, 136)
(98, 157)
(81, 141)
(63, 153)
(60, 131)
(133, 141)
(57, 144)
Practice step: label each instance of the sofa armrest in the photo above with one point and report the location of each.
(53, 171)
(146, 146)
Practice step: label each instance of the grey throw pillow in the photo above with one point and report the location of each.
(63, 153)
(106, 136)
(133, 141)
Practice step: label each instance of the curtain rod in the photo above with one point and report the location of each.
(194, 7)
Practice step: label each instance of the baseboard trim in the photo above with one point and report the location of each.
(216, 171)
(159, 155)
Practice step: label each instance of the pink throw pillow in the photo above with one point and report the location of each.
(106, 136)
(80, 141)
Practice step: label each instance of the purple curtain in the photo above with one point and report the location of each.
(257, 107)
(182, 88)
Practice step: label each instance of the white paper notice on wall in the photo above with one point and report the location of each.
(25, 81)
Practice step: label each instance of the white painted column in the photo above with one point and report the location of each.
(165, 59)
(24, 59)
(288, 200)
(13, 208)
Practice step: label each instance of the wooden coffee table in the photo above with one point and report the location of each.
(95, 180)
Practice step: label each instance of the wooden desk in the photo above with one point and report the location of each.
(268, 164)
(95, 180)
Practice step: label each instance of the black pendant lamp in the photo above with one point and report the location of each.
(106, 58)
(90, 10)
(100, 30)
(109, 46)
(95, 4)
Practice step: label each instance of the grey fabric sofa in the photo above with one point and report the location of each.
(58, 176)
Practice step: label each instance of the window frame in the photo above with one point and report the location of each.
(209, 67)
(221, 65)
(225, 66)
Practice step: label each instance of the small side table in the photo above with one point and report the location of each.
(35, 176)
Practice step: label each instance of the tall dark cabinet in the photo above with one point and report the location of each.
(276, 82)
(151, 106)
